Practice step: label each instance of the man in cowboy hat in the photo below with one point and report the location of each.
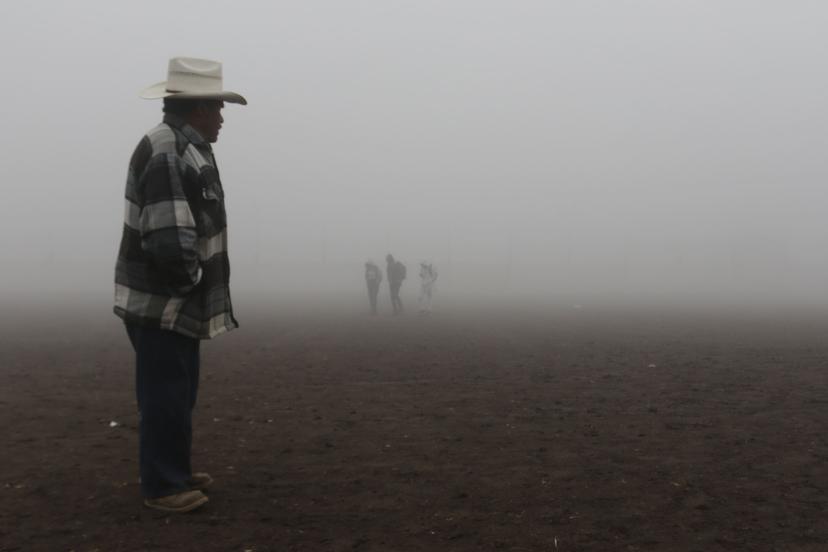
(172, 274)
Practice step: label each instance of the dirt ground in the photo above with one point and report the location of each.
(476, 429)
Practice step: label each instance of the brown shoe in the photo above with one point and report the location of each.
(200, 481)
(178, 503)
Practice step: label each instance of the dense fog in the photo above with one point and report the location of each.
(592, 149)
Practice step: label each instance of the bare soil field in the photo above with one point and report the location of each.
(474, 429)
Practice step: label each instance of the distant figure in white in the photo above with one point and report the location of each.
(428, 275)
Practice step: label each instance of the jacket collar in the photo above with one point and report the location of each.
(189, 132)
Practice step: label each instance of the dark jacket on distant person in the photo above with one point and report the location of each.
(373, 275)
(396, 272)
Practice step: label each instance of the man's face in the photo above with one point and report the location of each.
(207, 120)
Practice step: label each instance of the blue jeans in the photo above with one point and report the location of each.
(166, 385)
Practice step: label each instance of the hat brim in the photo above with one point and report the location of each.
(159, 91)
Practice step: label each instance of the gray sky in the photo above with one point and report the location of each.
(657, 147)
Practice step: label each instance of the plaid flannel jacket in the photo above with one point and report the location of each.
(173, 271)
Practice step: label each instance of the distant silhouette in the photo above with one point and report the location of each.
(373, 279)
(427, 278)
(396, 275)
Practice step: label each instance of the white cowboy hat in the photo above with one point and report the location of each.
(192, 79)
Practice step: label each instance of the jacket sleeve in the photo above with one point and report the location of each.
(167, 225)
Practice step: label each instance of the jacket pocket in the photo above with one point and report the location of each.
(211, 216)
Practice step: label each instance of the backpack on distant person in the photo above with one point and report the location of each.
(401, 270)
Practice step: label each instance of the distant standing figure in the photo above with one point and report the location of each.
(427, 278)
(373, 278)
(396, 275)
